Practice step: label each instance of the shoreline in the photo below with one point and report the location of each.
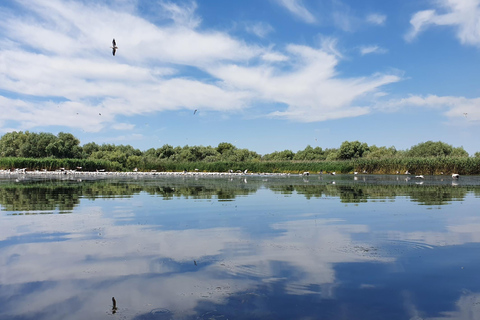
(60, 173)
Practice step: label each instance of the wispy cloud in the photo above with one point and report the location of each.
(260, 29)
(312, 91)
(372, 49)
(59, 66)
(377, 19)
(181, 15)
(454, 107)
(464, 15)
(297, 8)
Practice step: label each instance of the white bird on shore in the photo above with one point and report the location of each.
(455, 176)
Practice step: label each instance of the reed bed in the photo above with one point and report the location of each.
(425, 166)
(52, 164)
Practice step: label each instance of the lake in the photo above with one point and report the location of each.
(240, 247)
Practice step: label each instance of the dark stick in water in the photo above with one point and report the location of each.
(114, 308)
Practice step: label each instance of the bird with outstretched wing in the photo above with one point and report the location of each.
(114, 46)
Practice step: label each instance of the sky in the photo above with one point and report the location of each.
(266, 75)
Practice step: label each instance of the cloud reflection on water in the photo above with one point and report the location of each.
(69, 266)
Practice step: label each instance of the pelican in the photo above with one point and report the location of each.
(114, 46)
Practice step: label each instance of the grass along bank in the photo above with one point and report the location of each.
(425, 166)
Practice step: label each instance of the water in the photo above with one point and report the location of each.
(322, 247)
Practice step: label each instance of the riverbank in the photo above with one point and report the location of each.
(416, 166)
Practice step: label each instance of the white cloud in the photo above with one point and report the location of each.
(464, 15)
(123, 126)
(377, 19)
(274, 57)
(297, 8)
(58, 60)
(330, 45)
(372, 49)
(182, 15)
(343, 18)
(260, 29)
(456, 107)
(312, 92)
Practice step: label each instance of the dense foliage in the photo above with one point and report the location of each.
(48, 151)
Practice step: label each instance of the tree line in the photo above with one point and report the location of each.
(67, 146)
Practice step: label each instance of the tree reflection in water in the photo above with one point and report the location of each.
(260, 248)
(47, 196)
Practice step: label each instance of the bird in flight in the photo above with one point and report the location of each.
(195, 111)
(114, 46)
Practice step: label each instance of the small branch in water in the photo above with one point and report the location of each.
(114, 307)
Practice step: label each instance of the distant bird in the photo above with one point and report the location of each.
(195, 111)
(114, 46)
(114, 305)
(420, 176)
(194, 262)
(455, 176)
(465, 114)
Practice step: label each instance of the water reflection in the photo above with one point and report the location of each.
(55, 195)
(282, 249)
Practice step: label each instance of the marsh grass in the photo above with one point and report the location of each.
(426, 166)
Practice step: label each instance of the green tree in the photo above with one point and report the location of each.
(90, 148)
(310, 153)
(166, 151)
(66, 146)
(280, 155)
(430, 149)
(352, 150)
(225, 147)
(11, 143)
(459, 152)
(380, 152)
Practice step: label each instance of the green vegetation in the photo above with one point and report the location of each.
(37, 151)
(48, 196)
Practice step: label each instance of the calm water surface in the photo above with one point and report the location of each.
(322, 247)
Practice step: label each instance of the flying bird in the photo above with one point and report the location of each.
(114, 46)
(195, 111)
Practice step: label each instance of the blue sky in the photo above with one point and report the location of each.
(266, 75)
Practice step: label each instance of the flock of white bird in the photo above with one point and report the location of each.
(135, 172)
